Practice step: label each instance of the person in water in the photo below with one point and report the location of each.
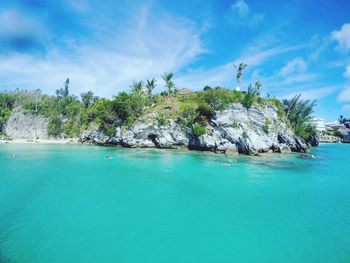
(108, 157)
(307, 156)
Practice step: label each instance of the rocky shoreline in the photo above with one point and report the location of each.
(324, 138)
(235, 130)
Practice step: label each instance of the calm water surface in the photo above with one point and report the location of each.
(70, 204)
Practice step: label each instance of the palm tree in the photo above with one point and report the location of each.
(150, 85)
(298, 111)
(239, 75)
(168, 82)
(258, 86)
(88, 98)
(137, 87)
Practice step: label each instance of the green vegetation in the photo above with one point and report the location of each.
(234, 124)
(198, 130)
(298, 112)
(169, 84)
(7, 102)
(266, 126)
(332, 133)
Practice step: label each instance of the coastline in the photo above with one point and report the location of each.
(40, 141)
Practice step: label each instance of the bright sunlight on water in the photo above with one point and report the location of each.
(71, 204)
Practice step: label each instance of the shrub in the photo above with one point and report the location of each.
(249, 99)
(108, 129)
(7, 102)
(188, 114)
(299, 114)
(266, 126)
(198, 130)
(161, 120)
(205, 110)
(279, 106)
(235, 124)
(219, 98)
(55, 127)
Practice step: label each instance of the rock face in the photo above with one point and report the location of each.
(232, 131)
(314, 140)
(22, 125)
(325, 138)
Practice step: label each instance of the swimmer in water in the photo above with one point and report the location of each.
(11, 156)
(108, 158)
(307, 156)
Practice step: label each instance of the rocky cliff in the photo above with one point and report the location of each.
(234, 130)
(24, 125)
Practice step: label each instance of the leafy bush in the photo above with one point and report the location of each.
(198, 130)
(55, 127)
(161, 120)
(205, 110)
(299, 114)
(249, 99)
(188, 114)
(129, 106)
(235, 124)
(279, 106)
(7, 102)
(219, 98)
(266, 126)
(332, 133)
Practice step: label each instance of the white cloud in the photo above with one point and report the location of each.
(346, 107)
(79, 5)
(143, 50)
(347, 71)
(241, 14)
(14, 23)
(300, 78)
(240, 8)
(295, 66)
(342, 36)
(218, 76)
(312, 94)
(255, 56)
(344, 94)
(224, 75)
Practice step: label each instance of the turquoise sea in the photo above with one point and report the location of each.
(71, 204)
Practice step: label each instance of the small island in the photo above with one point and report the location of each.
(215, 119)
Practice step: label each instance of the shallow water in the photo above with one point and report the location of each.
(70, 204)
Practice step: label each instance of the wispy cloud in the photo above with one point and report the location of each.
(19, 31)
(346, 107)
(255, 56)
(344, 94)
(314, 93)
(224, 75)
(146, 49)
(241, 14)
(295, 66)
(347, 71)
(342, 36)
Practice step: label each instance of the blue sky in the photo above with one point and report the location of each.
(290, 46)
